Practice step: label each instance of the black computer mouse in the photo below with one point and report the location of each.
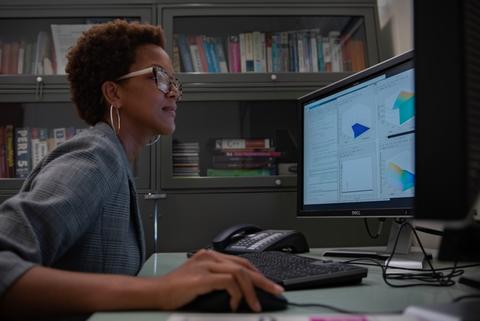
(219, 301)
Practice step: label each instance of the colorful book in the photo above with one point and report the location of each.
(241, 172)
(220, 54)
(9, 151)
(234, 60)
(185, 57)
(23, 152)
(239, 143)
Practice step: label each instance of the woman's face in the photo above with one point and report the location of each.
(145, 110)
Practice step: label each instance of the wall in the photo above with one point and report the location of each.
(396, 27)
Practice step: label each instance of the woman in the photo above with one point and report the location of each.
(72, 235)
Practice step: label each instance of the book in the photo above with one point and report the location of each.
(242, 43)
(249, 59)
(59, 136)
(234, 60)
(209, 48)
(195, 54)
(23, 152)
(250, 152)
(336, 51)
(186, 158)
(239, 143)
(240, 172)
(64, 37)
(185, 58)
(176, 58)
(5, 58)
(220, 53)
(39, 144)
(201, 52)
(9, 152)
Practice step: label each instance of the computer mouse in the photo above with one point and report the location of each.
(219, 301)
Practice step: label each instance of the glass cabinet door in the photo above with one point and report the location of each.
(34, 40)
(232, 143)
(277, 39)
(29, 131)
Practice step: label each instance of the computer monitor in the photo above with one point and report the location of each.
(357, 146)
(447, 82)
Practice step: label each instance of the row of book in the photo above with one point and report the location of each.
(285, 51)
(186, 158)
(44, 55)
(22, 148)
(230, 157)
(243, 157)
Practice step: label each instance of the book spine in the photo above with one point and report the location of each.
(23, 152)
(186, 59)
(176, 58)
(43, 142)
(9, 151)
(249, 59)
(240, 172)
(321, 66)
(220, 53)
(239, 143)
(59, 136)
(35, 135)
(249, 153)
(197, 63)
(201, 52)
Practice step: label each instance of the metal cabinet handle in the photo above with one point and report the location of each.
(155, 197)
(39, 87)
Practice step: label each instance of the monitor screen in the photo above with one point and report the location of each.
(357, 143)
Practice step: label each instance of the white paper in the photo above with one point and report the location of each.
(65, 37)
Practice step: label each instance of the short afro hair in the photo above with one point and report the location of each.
(105, 52)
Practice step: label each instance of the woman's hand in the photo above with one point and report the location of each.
(207, 271)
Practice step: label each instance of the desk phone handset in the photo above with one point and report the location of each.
(245, 238)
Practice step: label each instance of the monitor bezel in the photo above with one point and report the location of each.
(348, 211)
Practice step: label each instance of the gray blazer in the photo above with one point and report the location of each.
(76, 211)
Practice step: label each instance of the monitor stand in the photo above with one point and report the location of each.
(403, 257)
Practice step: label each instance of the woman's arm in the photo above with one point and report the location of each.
(47, 291)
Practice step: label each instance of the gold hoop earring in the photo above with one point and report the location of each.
(111, 119)
(154, 141)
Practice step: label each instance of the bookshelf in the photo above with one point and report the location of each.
(286, 41)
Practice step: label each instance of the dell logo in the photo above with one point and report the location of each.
(355, 212)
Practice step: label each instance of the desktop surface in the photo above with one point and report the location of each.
(370, 296)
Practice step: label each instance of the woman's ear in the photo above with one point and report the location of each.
(110, 93)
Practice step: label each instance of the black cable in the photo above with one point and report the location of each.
(430, 277)
(354, 261)
(428, 230)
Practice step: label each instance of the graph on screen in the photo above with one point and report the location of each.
(400, 171)
(404, 103)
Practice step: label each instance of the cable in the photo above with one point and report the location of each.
(430, 277)
(428, 230)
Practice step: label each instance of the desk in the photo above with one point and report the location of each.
(372, 295)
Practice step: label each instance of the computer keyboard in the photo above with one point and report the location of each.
(299, 272)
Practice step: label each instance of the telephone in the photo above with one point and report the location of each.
(245, 238)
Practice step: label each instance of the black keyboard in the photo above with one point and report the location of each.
(299, 272)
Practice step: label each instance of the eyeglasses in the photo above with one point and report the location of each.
(165, 83)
